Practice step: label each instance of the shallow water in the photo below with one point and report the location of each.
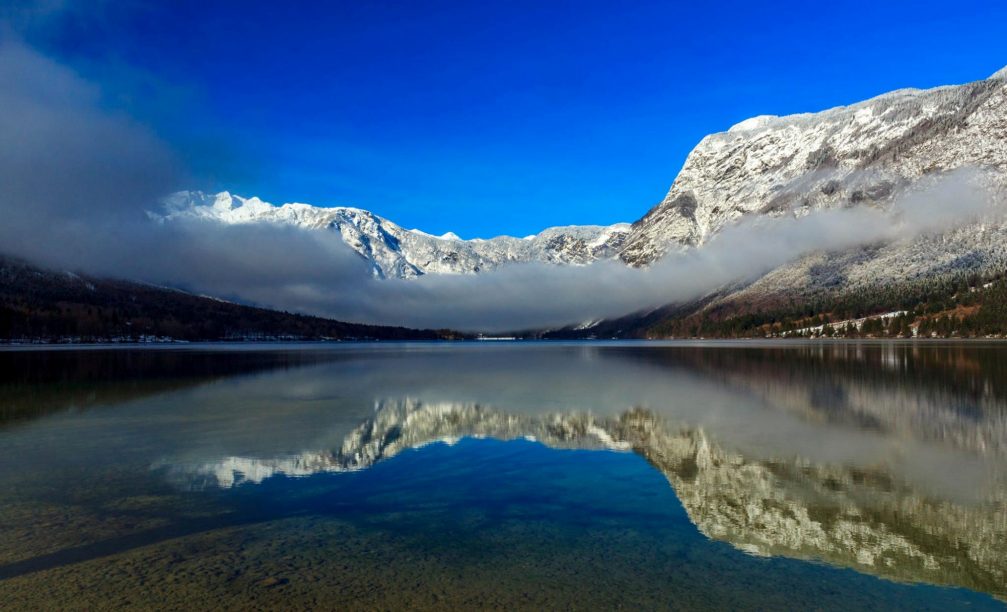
(512, 475)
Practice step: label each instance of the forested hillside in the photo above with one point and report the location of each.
(47, 306)
(961, 304)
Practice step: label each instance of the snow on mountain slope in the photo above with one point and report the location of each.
(865, 154)
(395, 252)
(857, 155)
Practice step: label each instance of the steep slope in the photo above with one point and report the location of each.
(863, 154)
(395, 252)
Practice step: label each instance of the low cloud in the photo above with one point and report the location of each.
(535, 296)
(76, 180)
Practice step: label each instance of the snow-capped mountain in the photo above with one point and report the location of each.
(395, 252)
(865, 154)
(858, 155)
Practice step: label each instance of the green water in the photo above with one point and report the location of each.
(505, 476)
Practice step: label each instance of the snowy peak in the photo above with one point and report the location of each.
(395, 252)
(752, 123)
(445, 236)
(861, 154)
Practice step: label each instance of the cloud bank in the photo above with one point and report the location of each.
(536, 296)
(76, 180)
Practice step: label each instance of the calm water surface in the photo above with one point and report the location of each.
(514, 475)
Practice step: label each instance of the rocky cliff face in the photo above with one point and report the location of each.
(395, 252)
(859, 155)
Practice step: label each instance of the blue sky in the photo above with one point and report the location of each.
(490, 118)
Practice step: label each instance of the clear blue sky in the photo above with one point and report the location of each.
(489, 118)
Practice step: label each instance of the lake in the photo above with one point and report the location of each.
(510, 475)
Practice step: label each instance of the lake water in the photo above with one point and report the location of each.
(505, 476)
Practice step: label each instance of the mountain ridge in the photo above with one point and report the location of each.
(396, 252)
(863, 153)
(866, 154)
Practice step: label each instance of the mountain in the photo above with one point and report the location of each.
(859, 155)
(394, 252)
(868, 154)
(51, 306)
(863, 155)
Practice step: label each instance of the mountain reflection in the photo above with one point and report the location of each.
(865, 519)
(35, 384)
(888, 459)
(954, 394)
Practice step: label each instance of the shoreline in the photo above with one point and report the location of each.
(320, 344)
